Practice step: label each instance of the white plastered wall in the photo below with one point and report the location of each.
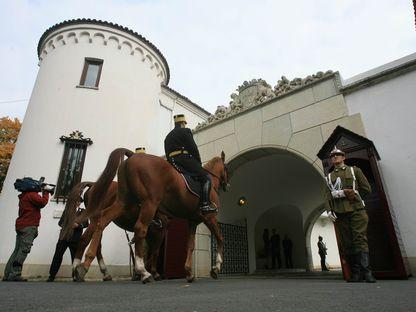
(120, 113)
(324, 227)
(387, 110)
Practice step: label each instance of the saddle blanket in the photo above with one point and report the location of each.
(191, 181)
(192, 185)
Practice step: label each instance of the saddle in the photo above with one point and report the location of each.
(192, 185)
(191, 182)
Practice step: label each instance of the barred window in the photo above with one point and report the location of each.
(72, 163)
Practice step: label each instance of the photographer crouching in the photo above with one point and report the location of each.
(27, 222)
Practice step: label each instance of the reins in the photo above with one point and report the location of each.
(214, 175)
(220, 180)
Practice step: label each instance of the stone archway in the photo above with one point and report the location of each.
(259, 131)
(286, 220)
(319, 224)
(308, 226)
(277, 183)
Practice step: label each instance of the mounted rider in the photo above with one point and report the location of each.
(182, 152)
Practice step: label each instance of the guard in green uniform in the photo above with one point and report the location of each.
(347, 187)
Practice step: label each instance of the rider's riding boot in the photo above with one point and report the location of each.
(205, 202)
(365, 267)
(354, 263)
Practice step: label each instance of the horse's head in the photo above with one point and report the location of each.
(217, 169)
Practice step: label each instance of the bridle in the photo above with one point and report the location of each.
(221, 179)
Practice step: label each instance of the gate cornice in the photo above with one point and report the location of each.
(247, 100)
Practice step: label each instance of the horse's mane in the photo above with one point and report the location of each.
(211, 164)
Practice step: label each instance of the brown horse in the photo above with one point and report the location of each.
(146, 184)
(154, 237)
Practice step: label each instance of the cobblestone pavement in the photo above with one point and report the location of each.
(248, 293)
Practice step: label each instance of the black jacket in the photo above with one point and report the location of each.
(181, 139)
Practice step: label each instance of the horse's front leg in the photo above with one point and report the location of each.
(190, 277)
(211, 222)
(108, 215)
(83, 243)
(103, 268)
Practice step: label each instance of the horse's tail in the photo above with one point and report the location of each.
(105, 179)
(70, 211)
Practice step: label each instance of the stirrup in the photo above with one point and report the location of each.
(206, 208)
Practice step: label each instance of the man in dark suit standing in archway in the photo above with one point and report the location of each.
(275, 249)
(287, 250)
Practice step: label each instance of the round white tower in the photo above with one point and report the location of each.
(95, 77)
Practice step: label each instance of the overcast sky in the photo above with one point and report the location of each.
(213, 46)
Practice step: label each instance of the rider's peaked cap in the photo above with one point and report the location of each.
(140, 150)
(336, 150)
(179, 118)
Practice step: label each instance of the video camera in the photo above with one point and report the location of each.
(28, 184)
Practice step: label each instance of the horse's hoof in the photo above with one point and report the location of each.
(148, 280)
(190, 279)
(79, 273)
(214, 273)
(107, 278)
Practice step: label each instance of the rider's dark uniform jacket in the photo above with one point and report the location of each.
(189, 160)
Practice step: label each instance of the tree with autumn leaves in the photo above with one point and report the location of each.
(9, 130)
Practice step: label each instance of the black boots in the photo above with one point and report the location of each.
(365, 267)
(360, 268)
(354, 263)
(16, 279)
(205, 202)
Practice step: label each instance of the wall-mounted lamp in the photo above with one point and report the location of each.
(242, 201)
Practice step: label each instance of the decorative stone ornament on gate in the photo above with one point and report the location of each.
(258, 91)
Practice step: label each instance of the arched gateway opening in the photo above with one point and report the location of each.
(283, 191)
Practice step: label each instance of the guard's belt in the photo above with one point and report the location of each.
(178, 153)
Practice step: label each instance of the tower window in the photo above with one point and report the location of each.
(91, 73)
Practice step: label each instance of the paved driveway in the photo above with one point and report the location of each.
(226, 294)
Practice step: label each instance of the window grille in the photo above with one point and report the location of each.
(235, 249)
(72, 163)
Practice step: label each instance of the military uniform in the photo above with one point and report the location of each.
(352, 218)
(181, 149)
(347, 186)
(182, 152)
